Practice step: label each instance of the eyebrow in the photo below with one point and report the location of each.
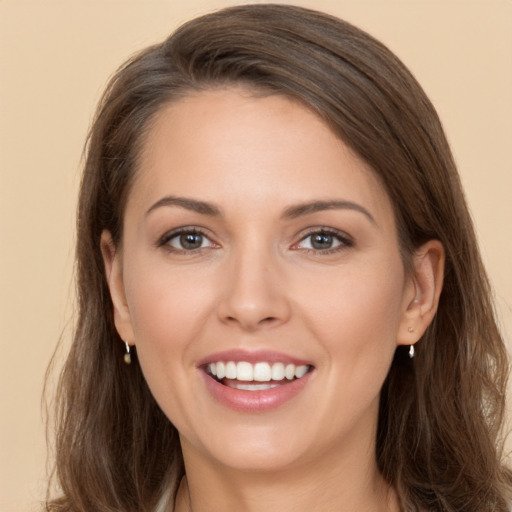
(194, 205)
(292, 212)
(318, 206)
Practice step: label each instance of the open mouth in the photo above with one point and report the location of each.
(255, 377)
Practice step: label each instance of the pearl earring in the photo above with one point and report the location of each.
(411, 351)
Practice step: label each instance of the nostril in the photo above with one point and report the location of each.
(250, 320)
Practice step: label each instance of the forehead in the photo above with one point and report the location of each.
(233, 146)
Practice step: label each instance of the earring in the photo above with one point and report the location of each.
(411, 352)
(127, 356)
(410, 329)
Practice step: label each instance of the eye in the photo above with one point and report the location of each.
(323, 241)
(186, 240)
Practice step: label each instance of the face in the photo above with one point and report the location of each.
(261, 281)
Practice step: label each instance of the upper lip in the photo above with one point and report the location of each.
(256, 356)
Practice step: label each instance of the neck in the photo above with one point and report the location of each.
(382, 499)
(344, 487)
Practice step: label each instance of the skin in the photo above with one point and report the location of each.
(257, 283)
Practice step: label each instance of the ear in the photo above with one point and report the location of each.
(422, 292)
(114, 275)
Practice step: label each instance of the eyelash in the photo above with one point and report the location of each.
(164, 240)
(344, 240)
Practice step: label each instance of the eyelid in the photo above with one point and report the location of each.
(163, 241)
(344, 239)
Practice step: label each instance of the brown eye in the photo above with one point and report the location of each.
(321, 241)
(186, 240)
(191, 241)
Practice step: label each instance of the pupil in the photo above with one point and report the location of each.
(191, 241)
(322, 241)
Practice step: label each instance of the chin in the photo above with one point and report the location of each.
(265, 450)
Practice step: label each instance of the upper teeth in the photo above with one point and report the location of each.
(261, 372)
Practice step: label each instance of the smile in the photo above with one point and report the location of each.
(257, 385)
(244, 375)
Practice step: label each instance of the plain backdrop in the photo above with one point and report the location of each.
(55, 58)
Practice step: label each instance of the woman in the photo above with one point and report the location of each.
(272, 233)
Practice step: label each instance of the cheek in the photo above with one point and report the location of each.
(167, 312)
(357, 313)
(356, 319)
(165, 306)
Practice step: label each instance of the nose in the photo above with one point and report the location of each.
(254, 293)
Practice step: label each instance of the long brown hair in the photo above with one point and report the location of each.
(440, 414)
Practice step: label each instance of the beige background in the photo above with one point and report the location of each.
(55, 58)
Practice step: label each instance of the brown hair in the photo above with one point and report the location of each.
(440, 414)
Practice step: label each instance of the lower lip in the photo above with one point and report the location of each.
(255, 401)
